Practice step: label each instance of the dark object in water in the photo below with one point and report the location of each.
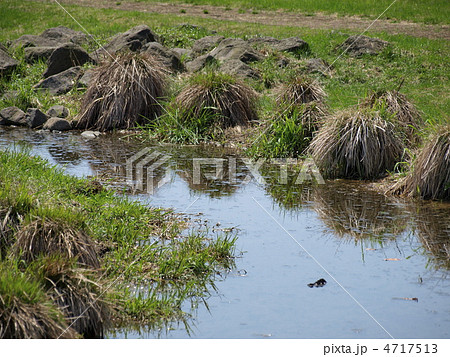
(319, 283)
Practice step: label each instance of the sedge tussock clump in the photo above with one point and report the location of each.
(26, 311)
(430, 174)
(9, 221)
(356, 144)
(303, 97)
(48, 236)
(221, 95)
(405, 113)
(300, 90)
(123, 93)
(73, 289)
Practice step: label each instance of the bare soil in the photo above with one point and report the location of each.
(286, 18)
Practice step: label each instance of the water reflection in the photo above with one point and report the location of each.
(282, 186)
(432, 222)
(347, 210)
(354, 213)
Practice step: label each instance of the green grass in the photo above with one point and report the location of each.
(146, 247)
(421, 64)
(285, 137)
(430, 11)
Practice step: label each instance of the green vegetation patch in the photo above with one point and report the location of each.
(149, 263)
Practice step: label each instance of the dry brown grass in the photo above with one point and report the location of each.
(25, 309)
(303, 98)
(72, 288)
(406, 114)
(219, 95)
(300, 90)
(23, 320)
(8, 224)
(49, 237)
(430, 174)
(124, 92)
(356, 144)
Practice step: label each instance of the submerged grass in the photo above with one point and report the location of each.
(136, 245)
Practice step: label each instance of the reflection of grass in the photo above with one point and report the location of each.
(66, 212)
(285, 191)
(433, 229)
(358, 215)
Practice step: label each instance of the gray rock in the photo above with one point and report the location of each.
(10, 95)
(60, 83)
(12, 116)
(264, 41)
(57, 124)
(183, 52)
(7, 63)
(88, 134)
(52, 37)
(34, 54)
(293, 45)
(62, 34)
(169, 58)
(236, 49)
(200, 63)
(35, 118)
(357, 46)
(239, 68)
(131, 40)
(206, 44)
(318, 65)
(66, 56)
(86, 78)
(58, 111)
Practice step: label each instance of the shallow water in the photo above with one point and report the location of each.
(376, 253)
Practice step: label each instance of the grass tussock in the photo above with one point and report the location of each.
(357, 144)
(76, 293)
(49, 237)
(8, 224)
(430, 174)
(124, 93)
(303, 98)
(25, 311)
(219, 95)
(300, 90)
(405, 113)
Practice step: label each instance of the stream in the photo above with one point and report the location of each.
(385, 259)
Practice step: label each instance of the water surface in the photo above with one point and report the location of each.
(385, 260)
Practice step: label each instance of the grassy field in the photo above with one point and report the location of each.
(430, 11)
(422, 64)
